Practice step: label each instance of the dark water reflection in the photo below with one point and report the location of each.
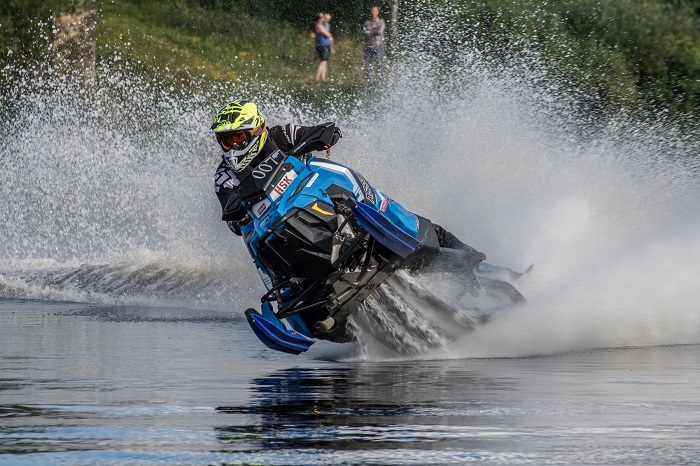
(603, 407)
(365, 407)
(84, 387)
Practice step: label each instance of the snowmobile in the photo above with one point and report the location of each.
(323, 240)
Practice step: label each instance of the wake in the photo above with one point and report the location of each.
(133, 282)
(414, 314)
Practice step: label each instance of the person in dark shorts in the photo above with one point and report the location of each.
(323, 44)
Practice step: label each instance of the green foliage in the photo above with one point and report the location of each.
(20, 25)
(26, 28)
(658, 42)
(615, 50)
(348, 15)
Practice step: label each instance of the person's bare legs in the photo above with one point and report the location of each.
(321, 71)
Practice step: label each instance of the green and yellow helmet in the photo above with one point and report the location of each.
(240, 130)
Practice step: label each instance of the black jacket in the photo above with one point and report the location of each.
(226, 181)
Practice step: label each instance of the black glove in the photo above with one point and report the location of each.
(337, 134)
(234, 211)
(236, 226)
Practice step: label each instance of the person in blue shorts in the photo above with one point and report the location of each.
(324, 39)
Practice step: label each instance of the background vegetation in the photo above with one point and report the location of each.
(626, 50)
(614, 51)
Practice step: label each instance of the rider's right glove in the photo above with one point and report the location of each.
(234, 211)
(236, 226)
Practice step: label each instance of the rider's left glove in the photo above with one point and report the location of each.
(337, 134)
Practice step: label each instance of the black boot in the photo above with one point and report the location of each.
(450, 241)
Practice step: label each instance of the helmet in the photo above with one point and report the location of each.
(240, 130)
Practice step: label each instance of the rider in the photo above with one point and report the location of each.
(246, 141)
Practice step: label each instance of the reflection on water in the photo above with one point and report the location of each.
(519, 411)
(386, 414)
(125, 385)
(329, 408)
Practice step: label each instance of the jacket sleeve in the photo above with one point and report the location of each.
(225, 184)
(367, 28)
(287, 136)
(226, 187)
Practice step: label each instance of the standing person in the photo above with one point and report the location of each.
(323, 45)
(328, 26)
(374, 43)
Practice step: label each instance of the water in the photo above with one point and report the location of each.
(87, 384)
(122, 339)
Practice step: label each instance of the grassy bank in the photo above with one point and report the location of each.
(184, 41)
(624, 52)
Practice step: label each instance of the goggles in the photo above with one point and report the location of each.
(236, 140)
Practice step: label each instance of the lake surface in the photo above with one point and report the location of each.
(96, 384)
